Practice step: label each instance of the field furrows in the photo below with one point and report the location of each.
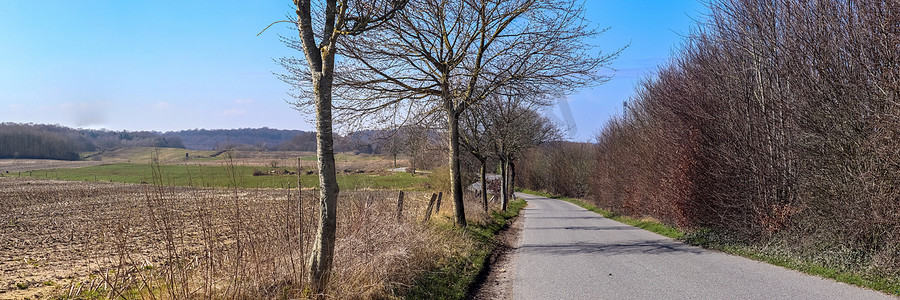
(61, 237)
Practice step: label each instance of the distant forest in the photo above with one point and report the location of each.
(60, 142)
(243, 139)
(42, 141)
(268, 139)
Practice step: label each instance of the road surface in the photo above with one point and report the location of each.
(567, 252)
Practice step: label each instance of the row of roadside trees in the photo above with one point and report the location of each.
(777, 125)
(398, 61)
(500, 129)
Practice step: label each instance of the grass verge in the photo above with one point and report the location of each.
(778, 256)
(454, 278)
(707, 239)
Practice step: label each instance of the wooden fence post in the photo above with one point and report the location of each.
(400, 207)
(438, 208)
(430, 206)
(300, 217)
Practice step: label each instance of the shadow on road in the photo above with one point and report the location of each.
(577, 210)
(567, 218)
(641, 247)
(587, 228)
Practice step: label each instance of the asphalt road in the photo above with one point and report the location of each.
(567, 252)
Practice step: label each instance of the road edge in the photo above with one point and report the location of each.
(495, 279)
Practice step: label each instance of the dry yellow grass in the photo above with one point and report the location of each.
(150, 242)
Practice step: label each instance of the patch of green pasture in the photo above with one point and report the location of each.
(226, 176)
(308, 158)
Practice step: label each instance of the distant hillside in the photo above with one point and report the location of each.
(24, 141)
(244, 138)
(365, 141)
(59, 142)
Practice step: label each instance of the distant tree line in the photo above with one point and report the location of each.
(58, 142)
(24, 141)
(778, 123)
(244, 138)
(559, 168)
(367, 141)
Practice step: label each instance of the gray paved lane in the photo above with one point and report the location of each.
(567, 252)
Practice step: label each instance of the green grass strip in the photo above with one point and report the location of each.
(228, 176)
(454, 278)
(886, 284)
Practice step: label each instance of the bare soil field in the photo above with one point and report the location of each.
(143, 241)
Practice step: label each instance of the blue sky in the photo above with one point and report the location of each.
(172, 65)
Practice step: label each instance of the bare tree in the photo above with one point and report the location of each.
(444, 56)
(318, 39)
(475, 139)
(515, 125)
(414, 139)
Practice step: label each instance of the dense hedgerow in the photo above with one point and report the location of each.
(777, 124)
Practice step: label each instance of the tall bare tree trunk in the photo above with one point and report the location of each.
(504, 183)
(322, 254)
(455, 176)
(512, 179)
(484, 199)
(320, 63)
(321, 68)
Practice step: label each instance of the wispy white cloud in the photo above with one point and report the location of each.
(234, 112)
(162, 105)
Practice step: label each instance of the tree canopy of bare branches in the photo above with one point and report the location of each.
(444, 56)
(515, 125)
